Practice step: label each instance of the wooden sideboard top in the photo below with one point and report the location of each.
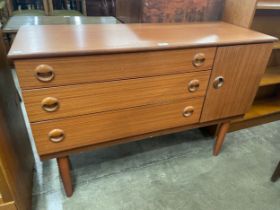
(67, 40)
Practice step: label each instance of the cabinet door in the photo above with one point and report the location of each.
(234, 80)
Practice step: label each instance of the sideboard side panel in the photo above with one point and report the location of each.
(242, 67)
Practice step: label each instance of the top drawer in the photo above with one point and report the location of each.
(37, 73)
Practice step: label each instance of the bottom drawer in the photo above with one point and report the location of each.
(73, 132)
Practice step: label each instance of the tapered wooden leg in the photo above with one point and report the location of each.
(276, 174)
(220, 137)
(65, 174)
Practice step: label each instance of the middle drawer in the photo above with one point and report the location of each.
(73, 100)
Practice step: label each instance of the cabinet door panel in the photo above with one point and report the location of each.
(241, 67)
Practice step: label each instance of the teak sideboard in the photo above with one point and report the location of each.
(90, 86)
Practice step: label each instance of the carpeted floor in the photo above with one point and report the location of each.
(174, 172)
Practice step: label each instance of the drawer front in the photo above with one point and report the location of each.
(65, 101)
(73, 70)
(69, 133)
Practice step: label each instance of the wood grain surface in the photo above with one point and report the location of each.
(140, 137)
(240, 12)
(98, 97)
(5, 193)
(92, 129)
(8, 206)
(242, 68)
(46, 41)
(64, 166)
(83, 69)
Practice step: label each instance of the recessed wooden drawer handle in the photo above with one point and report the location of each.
(219, 82)
(199, 59)
(44, 73)
(193, 85)
(56, 135)
(188, 111)
(50, 104)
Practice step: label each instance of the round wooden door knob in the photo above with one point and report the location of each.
(219, 82)
(199, 59)
(56, 135)
(50, 104)
(193, 85)
(188, 111)
(44, 73)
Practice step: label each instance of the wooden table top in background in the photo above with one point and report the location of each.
(69, 40)
(15, 22)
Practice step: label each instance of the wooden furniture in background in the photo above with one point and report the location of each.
(16, 22)
(67, 8)
(239, 12)
(154, 79)
(16, 156)
(33, 10)
(268, 4)
(266, 107)
(157, 11)
(101, 8)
